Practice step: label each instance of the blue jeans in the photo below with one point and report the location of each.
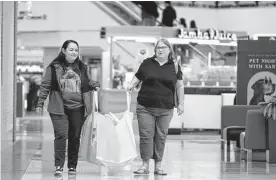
(153, 129)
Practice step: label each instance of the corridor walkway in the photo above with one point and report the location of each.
(187, 156)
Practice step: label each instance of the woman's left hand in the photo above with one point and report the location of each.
(180, 109)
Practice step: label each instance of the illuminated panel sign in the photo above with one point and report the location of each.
(210, 34)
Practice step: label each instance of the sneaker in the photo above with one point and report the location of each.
(72, 170)
(59, 171)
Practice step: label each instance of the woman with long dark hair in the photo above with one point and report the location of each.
(69, 84)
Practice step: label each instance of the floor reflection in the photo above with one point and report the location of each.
(187, 156)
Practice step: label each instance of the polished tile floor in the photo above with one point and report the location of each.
(187, 156)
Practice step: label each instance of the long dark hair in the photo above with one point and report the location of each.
(78, 66)
(60, 59)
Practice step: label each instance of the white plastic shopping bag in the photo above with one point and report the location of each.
(88, 145)
(176, 122)
(109, 139)
(115, 138)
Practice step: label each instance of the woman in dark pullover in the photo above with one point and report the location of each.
(161, 78)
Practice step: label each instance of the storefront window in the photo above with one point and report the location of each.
(201, 64)
(126, 59)
(29, 73)
(207, 65)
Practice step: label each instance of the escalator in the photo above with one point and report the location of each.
(227, 53)
(198, 53)
(210, 54)
(125, 13)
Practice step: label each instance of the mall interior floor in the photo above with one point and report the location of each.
(187, 156)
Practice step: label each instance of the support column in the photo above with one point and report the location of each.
(1, 70)
(8, 71)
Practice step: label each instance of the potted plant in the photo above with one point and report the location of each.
(268, 108)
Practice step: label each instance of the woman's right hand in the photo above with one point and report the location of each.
(132, 84)
(39, 111)
(97, 88)
(130, 88)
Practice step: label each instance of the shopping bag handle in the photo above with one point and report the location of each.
(95, 94)
(128, 98)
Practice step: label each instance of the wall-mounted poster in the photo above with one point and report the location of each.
(256, 71)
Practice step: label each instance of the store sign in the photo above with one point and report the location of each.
(266, 38)
(26, 15)
(256, 71)
(210, 34)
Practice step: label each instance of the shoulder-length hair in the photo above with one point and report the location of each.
(60, 59)
(171, 56)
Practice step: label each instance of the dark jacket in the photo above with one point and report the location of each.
(169, 15)
(52, 85)
(149, 8)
